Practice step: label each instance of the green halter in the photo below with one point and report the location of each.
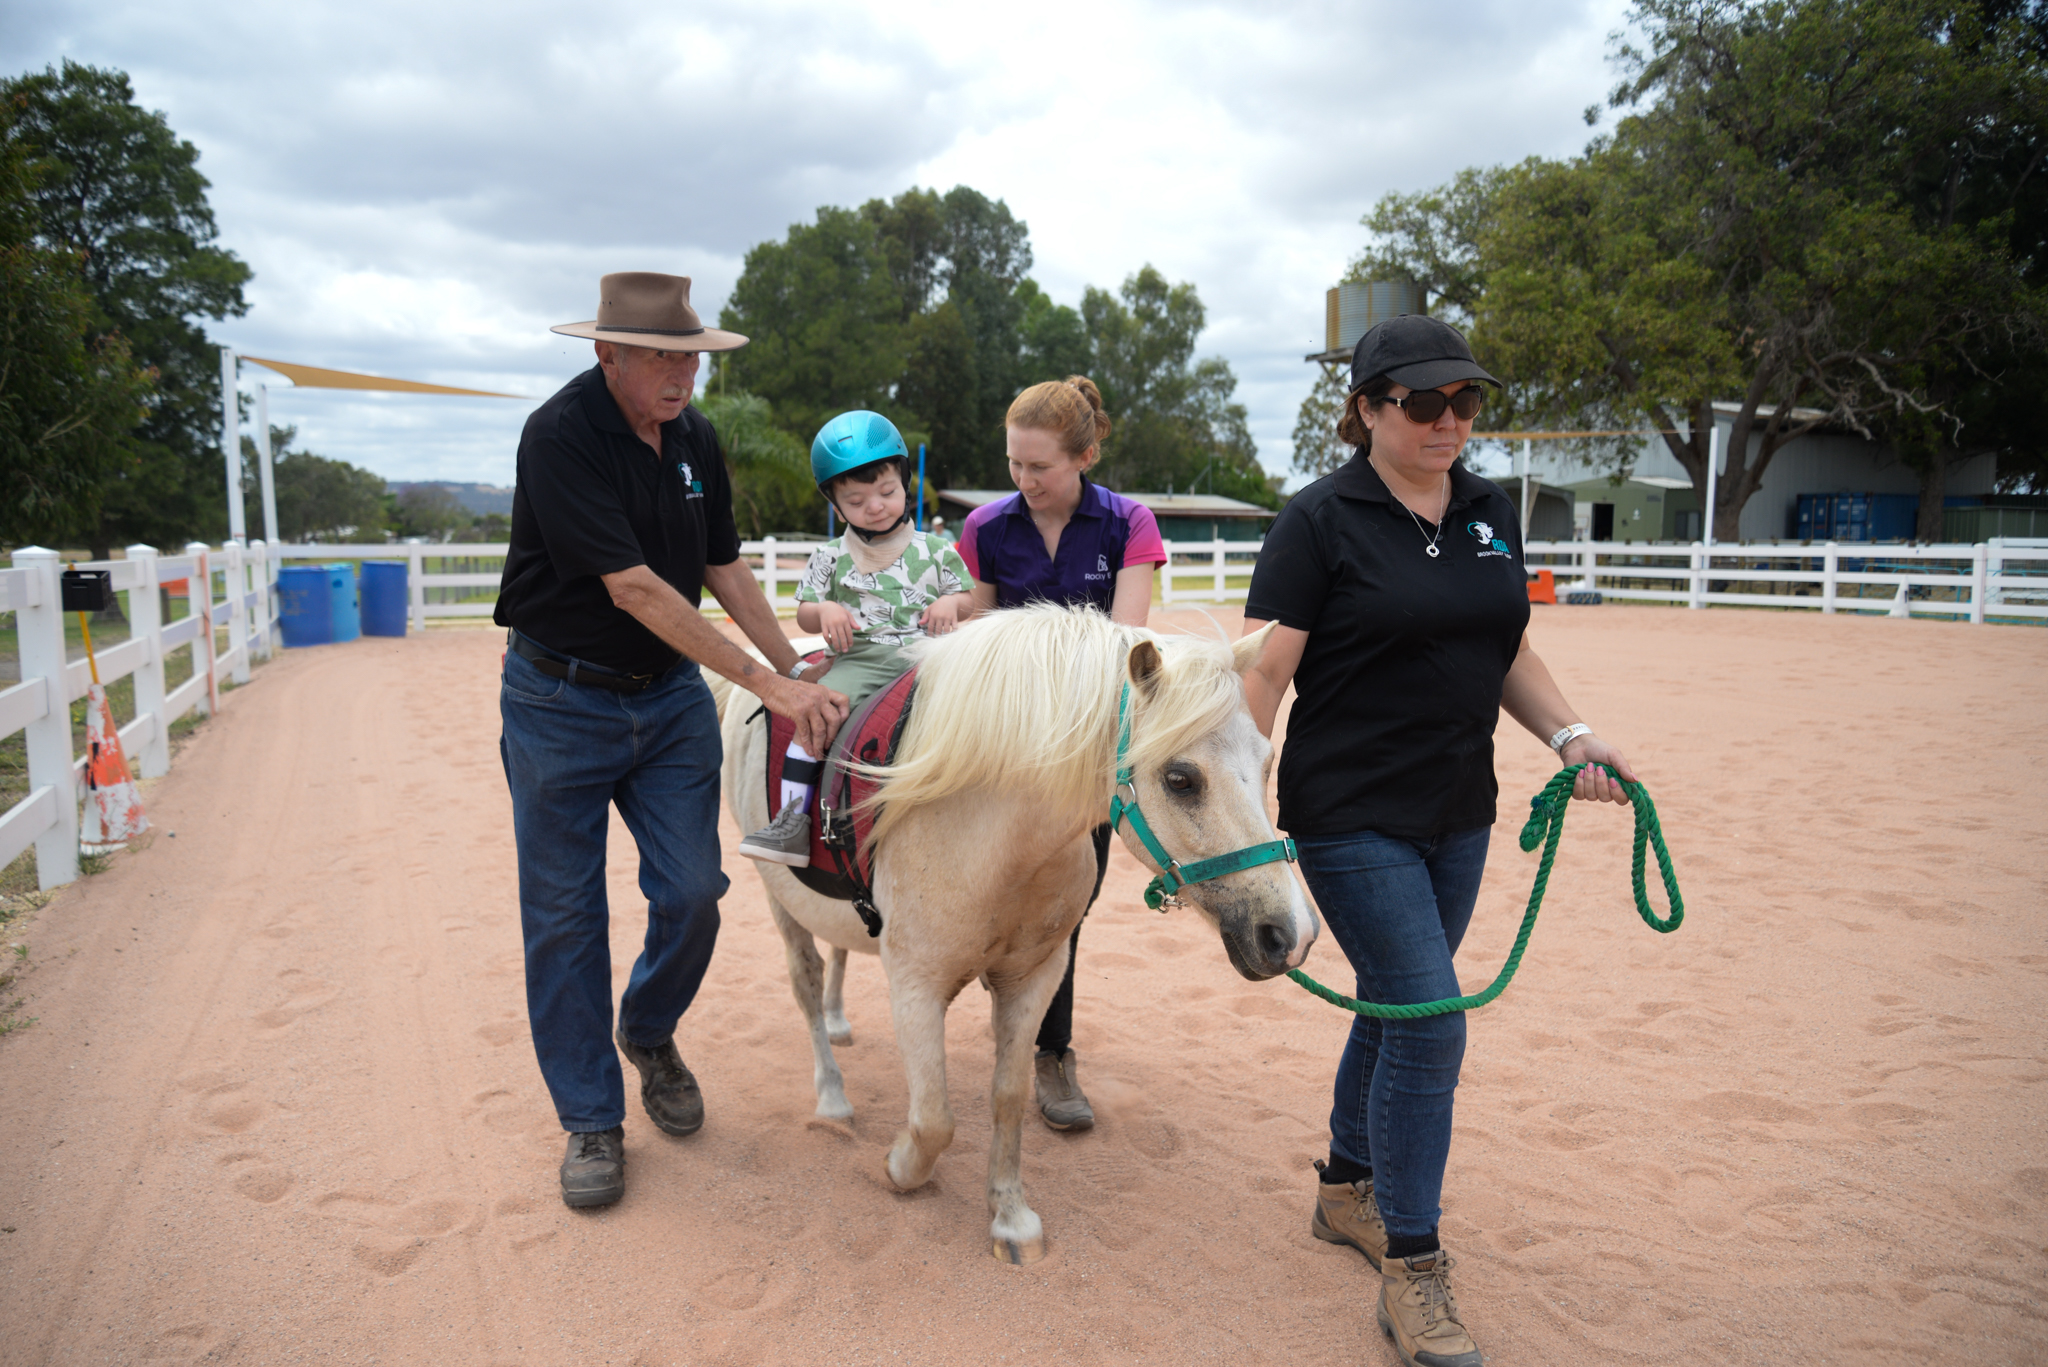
(1173, 877)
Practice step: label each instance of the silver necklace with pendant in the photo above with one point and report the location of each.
(1429, 545)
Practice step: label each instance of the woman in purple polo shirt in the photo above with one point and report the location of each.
(1061, 538)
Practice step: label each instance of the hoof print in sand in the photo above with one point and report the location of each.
(253, 1175)
(232, 1109)
(302, 994)
(499, 1033)
(395, 1235)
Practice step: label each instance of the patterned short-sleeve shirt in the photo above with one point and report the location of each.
(885, 605)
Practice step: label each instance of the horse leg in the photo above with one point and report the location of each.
(835, 999)
(1018, 1009)
(920, 1016)
(807, 982)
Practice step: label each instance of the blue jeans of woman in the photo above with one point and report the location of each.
(1398, 908)
(571, 751)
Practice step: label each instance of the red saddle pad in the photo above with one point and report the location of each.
(870, 736)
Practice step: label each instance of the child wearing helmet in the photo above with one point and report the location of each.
(878, 586)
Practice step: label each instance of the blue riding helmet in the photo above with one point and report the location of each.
(852, 440)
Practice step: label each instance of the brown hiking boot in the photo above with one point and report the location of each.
(1059, 1093)
(1346, 1213)
(1418, 1312)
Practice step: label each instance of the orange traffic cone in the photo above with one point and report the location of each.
(113, 809)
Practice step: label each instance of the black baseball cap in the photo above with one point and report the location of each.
(1417, 351)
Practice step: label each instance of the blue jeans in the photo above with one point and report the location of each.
(570, 752)
(1398, 909)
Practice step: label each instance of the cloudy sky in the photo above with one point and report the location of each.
(422, 189)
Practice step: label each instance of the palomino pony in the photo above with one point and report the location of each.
(983, 864)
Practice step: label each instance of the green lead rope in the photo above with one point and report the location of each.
(1546, 824)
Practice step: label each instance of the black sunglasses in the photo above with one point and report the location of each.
(1427, 405)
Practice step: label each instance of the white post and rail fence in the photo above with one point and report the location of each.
(232, 590)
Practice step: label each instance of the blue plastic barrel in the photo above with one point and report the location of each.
(341, 598)
(305, 606)
(384, 602)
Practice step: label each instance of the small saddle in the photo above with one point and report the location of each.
(842, 864)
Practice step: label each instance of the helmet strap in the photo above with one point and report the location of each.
(864, 534)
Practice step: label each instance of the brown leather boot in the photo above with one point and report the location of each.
(1060, 1099)
(1347, 1213)
(1419, 1313)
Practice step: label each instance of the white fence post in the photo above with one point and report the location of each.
(146, 621)
(1166, 576)
(768, 572)
(1216, 562)
(238, 611)
(1830, 575)
(39, 632)
(199, 597)
(257, 563)
(1996, 547)
(415, 567)
(1980, 580)
(1698, 581)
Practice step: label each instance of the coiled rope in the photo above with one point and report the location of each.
(1545, 825)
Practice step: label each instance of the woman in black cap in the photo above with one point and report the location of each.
(1397, 587)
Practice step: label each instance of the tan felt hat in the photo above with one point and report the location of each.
(644, 309)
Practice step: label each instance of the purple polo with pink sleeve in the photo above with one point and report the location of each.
(1001, 546)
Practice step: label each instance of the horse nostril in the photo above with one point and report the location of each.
(1274, 942)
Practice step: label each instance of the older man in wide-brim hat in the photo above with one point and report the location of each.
(621, 518)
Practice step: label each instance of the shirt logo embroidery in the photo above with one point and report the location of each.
(690, 480)
(1482, 532)
(1102, 563)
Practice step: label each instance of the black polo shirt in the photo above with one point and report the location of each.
(591, 499)
(1400, 680)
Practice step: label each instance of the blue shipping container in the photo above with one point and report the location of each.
(1856, 517)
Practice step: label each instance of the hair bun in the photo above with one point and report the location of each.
(1070, 409)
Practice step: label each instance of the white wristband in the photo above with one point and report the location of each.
(1568, 735)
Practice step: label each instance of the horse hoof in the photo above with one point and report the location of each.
(842, 1037)
(1018, 1253)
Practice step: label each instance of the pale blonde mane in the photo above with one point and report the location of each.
(1026, 699)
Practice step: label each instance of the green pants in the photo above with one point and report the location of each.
(862, 670)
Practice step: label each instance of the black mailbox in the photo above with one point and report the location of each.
(88, 590)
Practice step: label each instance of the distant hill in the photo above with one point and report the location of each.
(477, 498)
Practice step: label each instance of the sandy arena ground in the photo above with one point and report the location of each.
(280, 1103)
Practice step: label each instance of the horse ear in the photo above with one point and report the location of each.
(1144, 665)
(1245, 650)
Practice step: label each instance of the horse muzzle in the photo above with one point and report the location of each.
(1262, 939)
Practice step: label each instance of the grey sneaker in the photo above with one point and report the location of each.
(667, 1089)
(785, 840)
(1060, 1099)
(594, 1169)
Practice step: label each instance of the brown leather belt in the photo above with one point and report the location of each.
(576, 671)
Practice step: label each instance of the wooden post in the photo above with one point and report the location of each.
(238, 610)
(415, 566)
(39, 630)
(1980, 580)
(146, 621)
(199, 596)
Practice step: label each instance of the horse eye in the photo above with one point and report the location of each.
(1180, 781)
